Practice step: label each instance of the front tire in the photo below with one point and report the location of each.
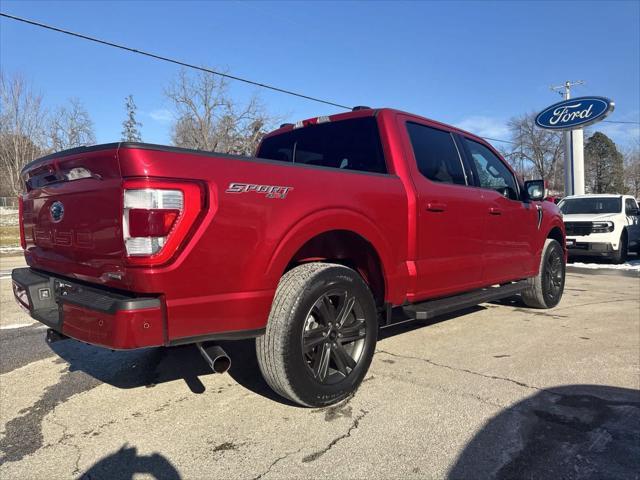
(620, 255)
(545, 289)
(321, 334)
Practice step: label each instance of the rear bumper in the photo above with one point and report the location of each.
(98, 316)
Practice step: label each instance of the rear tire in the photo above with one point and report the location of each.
(321, 334)
(620, 255)
(545, 289)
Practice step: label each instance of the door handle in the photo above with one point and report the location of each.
(495, 211)
(436, 207)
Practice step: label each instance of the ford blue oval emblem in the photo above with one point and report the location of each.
(57, 211)
(574, 113)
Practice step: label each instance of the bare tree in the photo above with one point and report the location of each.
(70, 126)
(131, 126)
(21, 130)
(632, 171)
(536, 152)
(208, 119)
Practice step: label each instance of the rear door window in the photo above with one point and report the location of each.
(347, 145)
(436, 154)
(492, 173)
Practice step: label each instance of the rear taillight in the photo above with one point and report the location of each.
(148, 217)
(157, 217)
(23, 242)
(152, 222)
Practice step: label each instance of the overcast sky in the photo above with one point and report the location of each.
(473, 64)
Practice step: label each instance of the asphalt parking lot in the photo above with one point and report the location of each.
(496, 391)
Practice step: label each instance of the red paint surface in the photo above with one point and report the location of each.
(123, 330)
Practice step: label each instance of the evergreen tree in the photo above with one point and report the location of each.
(130, 127)
(604, 168)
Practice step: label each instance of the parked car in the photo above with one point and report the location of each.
(340, 226)
(601, 225)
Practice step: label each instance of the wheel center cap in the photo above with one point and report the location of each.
(333, 334)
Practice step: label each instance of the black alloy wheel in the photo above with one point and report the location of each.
(546, 288)
(333, 336)
(553, 276)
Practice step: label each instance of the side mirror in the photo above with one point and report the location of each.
(535, 189)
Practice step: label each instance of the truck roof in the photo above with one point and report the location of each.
(594, 195)
(368, 112)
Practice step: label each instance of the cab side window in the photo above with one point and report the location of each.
(492, 173)
(631, 208)
(436, 154)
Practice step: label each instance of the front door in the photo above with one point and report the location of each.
(511, 224)
(633, 223)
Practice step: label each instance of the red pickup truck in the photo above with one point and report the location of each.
(339, 226)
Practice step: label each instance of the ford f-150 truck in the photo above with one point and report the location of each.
(341, 225)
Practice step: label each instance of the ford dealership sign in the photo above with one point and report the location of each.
(574, 113)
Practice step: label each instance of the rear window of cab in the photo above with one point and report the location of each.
(347, 145)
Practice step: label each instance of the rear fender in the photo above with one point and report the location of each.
(336, 219)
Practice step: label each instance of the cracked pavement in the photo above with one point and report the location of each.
(496, 391)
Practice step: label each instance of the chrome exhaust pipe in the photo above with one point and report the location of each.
(216, 357)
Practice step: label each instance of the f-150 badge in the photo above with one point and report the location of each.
(270, 191)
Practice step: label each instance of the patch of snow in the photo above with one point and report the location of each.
(11, 326)
(8, 217)
(633, 265)
(10, 249)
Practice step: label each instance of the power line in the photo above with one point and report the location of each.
(170, 60)
(603, 121)
(184, 64)
(499, 140)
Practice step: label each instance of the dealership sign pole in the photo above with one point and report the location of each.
(570, 116)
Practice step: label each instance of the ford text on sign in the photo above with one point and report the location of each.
(574, 113)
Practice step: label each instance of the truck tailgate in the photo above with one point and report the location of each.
(72, 213)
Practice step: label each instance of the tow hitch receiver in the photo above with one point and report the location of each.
(53, 336)
(215, 356)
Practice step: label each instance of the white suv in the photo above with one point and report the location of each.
(601, 225)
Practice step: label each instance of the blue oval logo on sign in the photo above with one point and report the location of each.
(574, 113)
(56, 211)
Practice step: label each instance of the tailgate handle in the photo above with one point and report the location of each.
(495, 211)
(436, 207)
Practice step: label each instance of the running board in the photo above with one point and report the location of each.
(433, 308)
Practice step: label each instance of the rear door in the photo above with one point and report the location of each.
(450, 214)
(510, 224)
